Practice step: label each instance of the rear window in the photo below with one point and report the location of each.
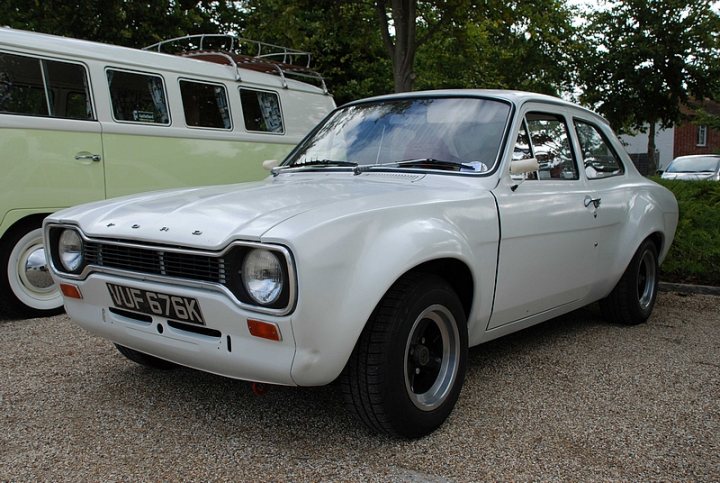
(41, 87)
(137, 97)
(261, 111)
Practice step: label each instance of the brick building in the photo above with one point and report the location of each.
(691, 138)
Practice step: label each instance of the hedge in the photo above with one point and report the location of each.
(694, 256)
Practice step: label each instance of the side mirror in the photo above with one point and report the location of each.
(522, 166)
(659, 171)
(269, 164)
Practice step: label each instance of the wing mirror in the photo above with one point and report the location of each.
(522, 166)
(269, 164)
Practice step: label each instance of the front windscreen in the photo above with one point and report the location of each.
(694, 165)
(466, 132)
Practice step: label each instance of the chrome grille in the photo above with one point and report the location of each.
(156, 262)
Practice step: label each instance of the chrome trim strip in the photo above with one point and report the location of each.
(147, 277)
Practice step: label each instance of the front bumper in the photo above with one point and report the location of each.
(230, 351)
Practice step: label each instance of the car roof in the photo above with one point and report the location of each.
(514, 97)
(694, 156)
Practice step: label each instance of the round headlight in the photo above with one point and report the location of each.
(262, 276)
(70, 250)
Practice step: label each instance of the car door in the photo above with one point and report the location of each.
(547, 254)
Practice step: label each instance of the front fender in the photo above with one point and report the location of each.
(345, 267)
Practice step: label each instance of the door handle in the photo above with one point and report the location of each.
(84, 156)
(594, 201)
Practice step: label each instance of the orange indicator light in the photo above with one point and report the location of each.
(265, 330)
(70, 291)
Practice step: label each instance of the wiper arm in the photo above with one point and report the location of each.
(314, 163)
(419, 162)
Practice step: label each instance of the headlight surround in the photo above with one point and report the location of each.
(263, 276)
(70, 250)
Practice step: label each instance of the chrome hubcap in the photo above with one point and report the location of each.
(432, 356)
(34, 271)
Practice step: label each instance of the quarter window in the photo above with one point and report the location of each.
(551, 146)
(41, 87)
(261, 111)
(599, 159)
(138, 97)
(205, 105)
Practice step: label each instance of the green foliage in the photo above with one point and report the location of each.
(695, 254)
(643, 58)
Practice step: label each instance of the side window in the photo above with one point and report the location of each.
(137, 97)
(205, 105)
(261, 111)
(551, 146)
(598, 157)
(40, 87)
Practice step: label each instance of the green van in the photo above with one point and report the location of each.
(83, 121)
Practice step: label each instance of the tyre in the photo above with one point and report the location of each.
(632, 300)
(26, 287)
(408, 366)
(145, 359)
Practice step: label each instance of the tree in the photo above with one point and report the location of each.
(119, 22)
(645, 58)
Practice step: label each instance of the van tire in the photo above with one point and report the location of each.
(23, 292)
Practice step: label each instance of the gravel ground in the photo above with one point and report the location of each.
(571, 399)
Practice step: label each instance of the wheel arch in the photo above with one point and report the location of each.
(34, 219)
(456, 273)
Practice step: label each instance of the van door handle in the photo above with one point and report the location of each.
(90, 156)
(595, 202)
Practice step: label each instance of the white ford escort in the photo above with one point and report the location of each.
(402, 230)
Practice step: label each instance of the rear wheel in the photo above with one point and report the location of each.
(26, 287)
(632, 300)
(145, 359)
(406, 371)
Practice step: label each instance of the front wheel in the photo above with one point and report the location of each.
(632, 300)
(26, 287)
(406, 371)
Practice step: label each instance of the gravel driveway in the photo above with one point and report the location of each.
(572, 399)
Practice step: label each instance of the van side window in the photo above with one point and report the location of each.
(137, 97)
(41, 87)
(205, 105)
(261, 111)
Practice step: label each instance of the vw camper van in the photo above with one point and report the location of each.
(83, 121)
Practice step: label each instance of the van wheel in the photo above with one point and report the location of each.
(632, 300)
(406, 371)
(145, 359)
(26, 287)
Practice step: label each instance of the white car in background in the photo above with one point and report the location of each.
(697, 167)
(401, 231)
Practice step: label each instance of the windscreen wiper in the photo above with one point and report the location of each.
(419, 163)
(314, 163)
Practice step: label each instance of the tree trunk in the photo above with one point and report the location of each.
(402, 48)
(652, 166)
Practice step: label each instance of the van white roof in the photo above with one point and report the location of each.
(113, 55)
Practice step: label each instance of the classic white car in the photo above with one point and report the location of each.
(402, 230)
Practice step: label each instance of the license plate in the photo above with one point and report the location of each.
(173, 307)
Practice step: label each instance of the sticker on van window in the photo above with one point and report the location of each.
(143, 116)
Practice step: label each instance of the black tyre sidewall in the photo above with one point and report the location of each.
(406, 419)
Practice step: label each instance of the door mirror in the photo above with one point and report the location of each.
(269, 164)
(522, 166)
